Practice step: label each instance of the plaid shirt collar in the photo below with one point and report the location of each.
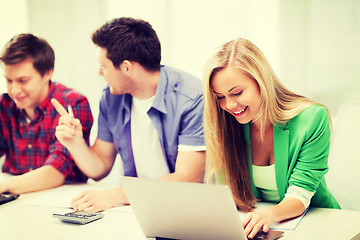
(45, 103)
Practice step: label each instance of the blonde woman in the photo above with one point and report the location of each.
(264, 141)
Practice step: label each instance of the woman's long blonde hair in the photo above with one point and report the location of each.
(227, 156)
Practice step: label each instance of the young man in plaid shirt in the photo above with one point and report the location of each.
(33, 155)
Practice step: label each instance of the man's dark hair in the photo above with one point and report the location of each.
(25, 46)
(129, 39)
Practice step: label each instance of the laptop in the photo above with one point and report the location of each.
(183, 210)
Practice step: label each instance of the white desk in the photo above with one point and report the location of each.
(22, 219)
(19, 220)
(323, 223)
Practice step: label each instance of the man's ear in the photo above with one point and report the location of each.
(48, 74)
(126, 66)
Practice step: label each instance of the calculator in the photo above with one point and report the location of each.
(78, 217)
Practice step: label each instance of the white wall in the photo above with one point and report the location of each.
(334, 54)
(320, 51)
(190, 30)
(311, 44)
(13, 19)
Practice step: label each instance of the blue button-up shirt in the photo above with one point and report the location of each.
(177, 114)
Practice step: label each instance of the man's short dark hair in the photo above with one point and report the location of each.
(129, 39)
(25, 46)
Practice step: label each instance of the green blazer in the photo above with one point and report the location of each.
(301, 150)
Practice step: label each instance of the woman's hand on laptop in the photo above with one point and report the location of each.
(253, 222)
(289, 207)
(96, 201)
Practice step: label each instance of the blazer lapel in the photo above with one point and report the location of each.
(281, 155)
(248, 145)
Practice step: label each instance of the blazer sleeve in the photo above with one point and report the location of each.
(312, 160)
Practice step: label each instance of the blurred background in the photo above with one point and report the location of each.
(313, 45)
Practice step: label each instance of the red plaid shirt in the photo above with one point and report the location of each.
(28, 146)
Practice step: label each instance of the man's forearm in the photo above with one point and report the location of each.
(190, 167)
(39, 179)
(89, 162)
(181, 177)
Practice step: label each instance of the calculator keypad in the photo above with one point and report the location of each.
(79, 217)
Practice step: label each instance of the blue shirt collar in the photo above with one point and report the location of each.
(159, 101)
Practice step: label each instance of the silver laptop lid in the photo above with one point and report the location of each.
(183, 210)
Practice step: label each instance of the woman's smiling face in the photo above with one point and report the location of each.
(237, 93)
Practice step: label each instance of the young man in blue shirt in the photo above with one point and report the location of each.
(151, 115)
